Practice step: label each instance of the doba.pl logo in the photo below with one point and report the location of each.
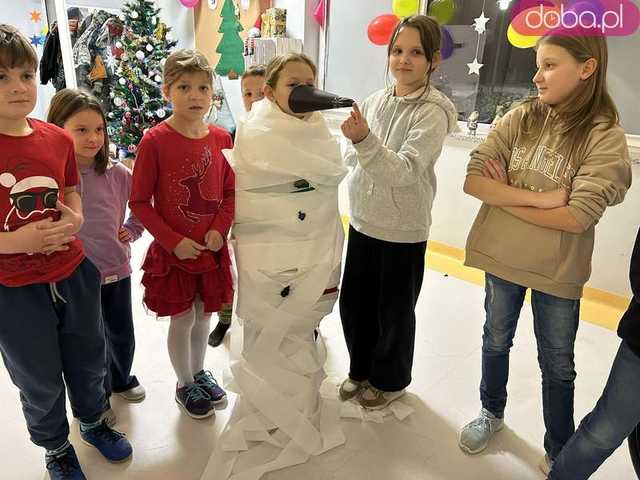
(534, 18)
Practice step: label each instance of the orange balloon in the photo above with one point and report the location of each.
(381, 28)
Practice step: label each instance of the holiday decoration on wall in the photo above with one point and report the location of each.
(38, 32)
(480, 26)
(230, 48)
(136, 98)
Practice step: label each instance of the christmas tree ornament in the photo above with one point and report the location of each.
(140, 55)
(160, 113)
(149, 48)
(134, 15)
(122, 81)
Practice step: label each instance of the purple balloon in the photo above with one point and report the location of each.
(446, 43)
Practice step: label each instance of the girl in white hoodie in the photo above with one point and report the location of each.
(396, 140)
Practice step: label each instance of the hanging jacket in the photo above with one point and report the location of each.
(49, 63)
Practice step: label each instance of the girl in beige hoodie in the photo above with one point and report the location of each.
(545, 175)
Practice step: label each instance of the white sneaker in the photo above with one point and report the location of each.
(135, 394)
(373, 399)
(475, 435)
(545, 465)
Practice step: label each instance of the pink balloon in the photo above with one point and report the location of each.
(189, 3)
(318, 13)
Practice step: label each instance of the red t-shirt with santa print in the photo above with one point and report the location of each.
(34, 171)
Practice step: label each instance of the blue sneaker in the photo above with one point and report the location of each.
(205, 379)
(64, 466)
(112, 444)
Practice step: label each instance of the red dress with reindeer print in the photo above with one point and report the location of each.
(184, 187)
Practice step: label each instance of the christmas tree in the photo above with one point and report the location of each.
(231, 45)
(136, 98)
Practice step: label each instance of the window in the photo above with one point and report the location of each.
(507, 72)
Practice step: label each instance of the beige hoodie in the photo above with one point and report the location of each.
(598, 175)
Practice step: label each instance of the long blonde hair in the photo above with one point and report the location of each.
(589, 100)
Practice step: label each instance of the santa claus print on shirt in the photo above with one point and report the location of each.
(31, 197)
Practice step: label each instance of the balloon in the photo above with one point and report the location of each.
(446, 43)
(381, 28)
(318, 13)
(406, 8)
(189, 3)
(521, 41)
(443, 10)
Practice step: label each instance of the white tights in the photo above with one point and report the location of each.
(187, 342)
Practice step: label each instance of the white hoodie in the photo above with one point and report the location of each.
(392, 187)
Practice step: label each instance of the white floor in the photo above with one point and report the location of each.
(168, 445)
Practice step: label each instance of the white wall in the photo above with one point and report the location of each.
(356, 67)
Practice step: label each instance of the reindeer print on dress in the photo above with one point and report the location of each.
(197, 205)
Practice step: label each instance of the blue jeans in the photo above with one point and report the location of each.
(555, 326)
(612, 420)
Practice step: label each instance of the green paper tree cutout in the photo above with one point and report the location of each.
(231, 45)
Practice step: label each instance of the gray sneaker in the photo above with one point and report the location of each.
(475, 435)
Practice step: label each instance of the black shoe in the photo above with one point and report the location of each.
(215, 337)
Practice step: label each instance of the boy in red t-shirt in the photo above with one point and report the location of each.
(49, 291)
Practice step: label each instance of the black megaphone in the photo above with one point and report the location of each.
(305, 98)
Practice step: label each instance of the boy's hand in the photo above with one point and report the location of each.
(187, 249)
(44, 236)
(124, 235)
(67, 215)
(214, 240)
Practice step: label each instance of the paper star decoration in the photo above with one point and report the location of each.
(35, 16)
(474, 67)
(36, 40)
(481, 23)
